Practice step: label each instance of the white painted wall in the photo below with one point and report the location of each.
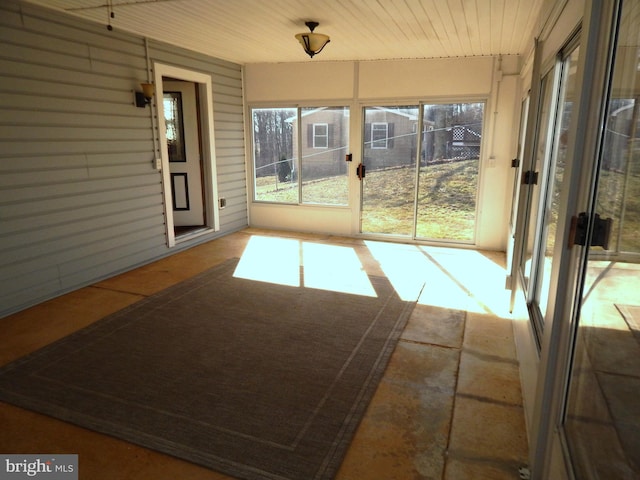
(397, 82)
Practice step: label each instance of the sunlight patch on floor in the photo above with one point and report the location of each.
(452, 278)
(272, 260)
(404, 266)
(467, 278)
(335, 268)
(299, 263)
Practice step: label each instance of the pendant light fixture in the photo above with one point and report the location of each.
(313, 43)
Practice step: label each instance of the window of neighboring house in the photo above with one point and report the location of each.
(320, 135)
(298, 155)
(379, 135)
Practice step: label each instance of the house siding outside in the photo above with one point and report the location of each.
(319, 162)
(399, 149)
(80, 199)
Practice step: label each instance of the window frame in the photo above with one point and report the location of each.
(304, 140)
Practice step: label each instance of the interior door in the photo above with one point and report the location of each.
(183, 145)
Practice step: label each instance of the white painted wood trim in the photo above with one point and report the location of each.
(203, 83)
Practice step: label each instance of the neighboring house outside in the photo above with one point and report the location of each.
(325, 141)
(390, 137)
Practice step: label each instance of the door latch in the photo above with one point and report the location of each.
(600, 235)
(361, 171)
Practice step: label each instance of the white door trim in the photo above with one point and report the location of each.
(203, 84)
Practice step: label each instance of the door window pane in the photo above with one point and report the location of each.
(448, 178)
(174, 128)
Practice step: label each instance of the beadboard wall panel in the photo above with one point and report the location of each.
(80, 199)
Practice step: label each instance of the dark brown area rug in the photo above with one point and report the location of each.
(252, 379)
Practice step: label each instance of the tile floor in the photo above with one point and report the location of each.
(448, 407)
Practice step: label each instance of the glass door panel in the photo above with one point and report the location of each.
(517, 169)
(554, 181)
(448, 174)
(602, 413)
(541, 154)
(389, 184)
(517, 165)
(544, 182)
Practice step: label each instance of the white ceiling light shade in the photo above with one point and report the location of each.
(313, 43)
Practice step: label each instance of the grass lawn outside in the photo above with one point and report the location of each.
(446, 199)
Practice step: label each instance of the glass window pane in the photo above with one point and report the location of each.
(541, 154)
(274, 155)
(388, 189)
(555, 177)
(621, 165)
(325, 141)
(449, 160)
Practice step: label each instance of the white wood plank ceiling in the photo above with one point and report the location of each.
(258, 31)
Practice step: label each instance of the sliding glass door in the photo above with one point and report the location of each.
(422, 186)
(542, 182)
(602, 413)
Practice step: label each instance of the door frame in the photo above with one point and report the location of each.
(551, 453)
(546, 379)
(204, 92)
